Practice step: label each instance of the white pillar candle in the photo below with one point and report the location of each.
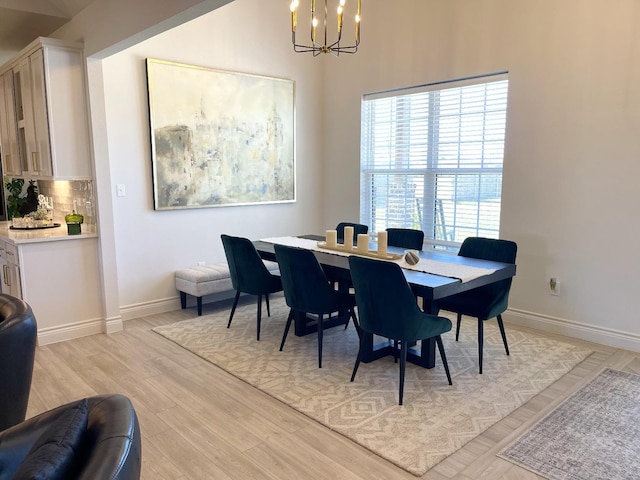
(348, 238)
(363, 243)
(382, 243)
(331, 236)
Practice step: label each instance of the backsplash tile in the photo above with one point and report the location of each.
(70, 195)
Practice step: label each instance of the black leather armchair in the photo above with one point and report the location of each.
(18, 333)
(89, 439)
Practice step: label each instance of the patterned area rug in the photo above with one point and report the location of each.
(593, 435)
(436, 419)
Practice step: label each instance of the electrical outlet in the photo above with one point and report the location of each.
(554, 286)
(201, 264)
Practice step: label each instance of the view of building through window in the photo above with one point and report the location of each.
(431, 159)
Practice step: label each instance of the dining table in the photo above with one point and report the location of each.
(437, 275)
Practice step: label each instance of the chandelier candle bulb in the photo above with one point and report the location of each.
(314, 21)
(363, 243)
(348, 238)
(294, 14)
(358, 22)
(331, 238)
(382, 243)
(294, 20)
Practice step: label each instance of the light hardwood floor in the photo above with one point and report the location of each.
(199, 422)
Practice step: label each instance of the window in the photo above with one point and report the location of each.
(431, 159)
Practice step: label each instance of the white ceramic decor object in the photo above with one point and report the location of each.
(348, 238)
(332, 238)
(363, 243)
(382, 243)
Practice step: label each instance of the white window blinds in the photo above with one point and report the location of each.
(431, 159)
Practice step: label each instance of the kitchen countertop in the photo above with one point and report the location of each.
(18, 237)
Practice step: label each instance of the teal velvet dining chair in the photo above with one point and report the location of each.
(489, 301)
(249, 274)
(358, 229)
(307, 290)
(387, 307)
(405, 238)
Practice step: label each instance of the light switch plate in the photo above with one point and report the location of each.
(121, 191)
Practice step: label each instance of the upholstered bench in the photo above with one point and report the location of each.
(207, 280)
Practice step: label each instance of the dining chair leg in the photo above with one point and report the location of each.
(233, 309)
(286, 329)
(504, 336)
(266, 297)
(395, 351)
(358, 358)
(444, 358)
(403, 366)
(480, 342)
(259, 316)
(458, 325)
(356, 324)
(352, 316)
(320, 335)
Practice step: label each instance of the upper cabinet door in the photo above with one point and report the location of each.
(9, 127)
(35, 161)
(64, 77)
(41, 164)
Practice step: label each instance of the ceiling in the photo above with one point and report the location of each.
(21, 21)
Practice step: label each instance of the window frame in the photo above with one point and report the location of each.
(401, 121)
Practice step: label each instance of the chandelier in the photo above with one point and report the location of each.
(315, 47)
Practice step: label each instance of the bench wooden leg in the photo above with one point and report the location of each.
(199, 299)
(183, 300)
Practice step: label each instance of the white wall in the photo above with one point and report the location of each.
(150, 244)
(570, 195)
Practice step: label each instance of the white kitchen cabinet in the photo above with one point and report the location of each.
(51, 120)
(8, 126)
(10, 263)
(58, 275)
(62, 286)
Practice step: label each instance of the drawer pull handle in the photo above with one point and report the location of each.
(35, 161)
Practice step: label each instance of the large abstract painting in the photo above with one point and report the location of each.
(219, 138)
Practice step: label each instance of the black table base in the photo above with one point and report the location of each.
(305, 324)
(425, 356)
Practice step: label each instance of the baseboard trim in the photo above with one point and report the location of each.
(113, 324)
(70, 331)
(144, 309)
(570, 328)
(154, 307)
